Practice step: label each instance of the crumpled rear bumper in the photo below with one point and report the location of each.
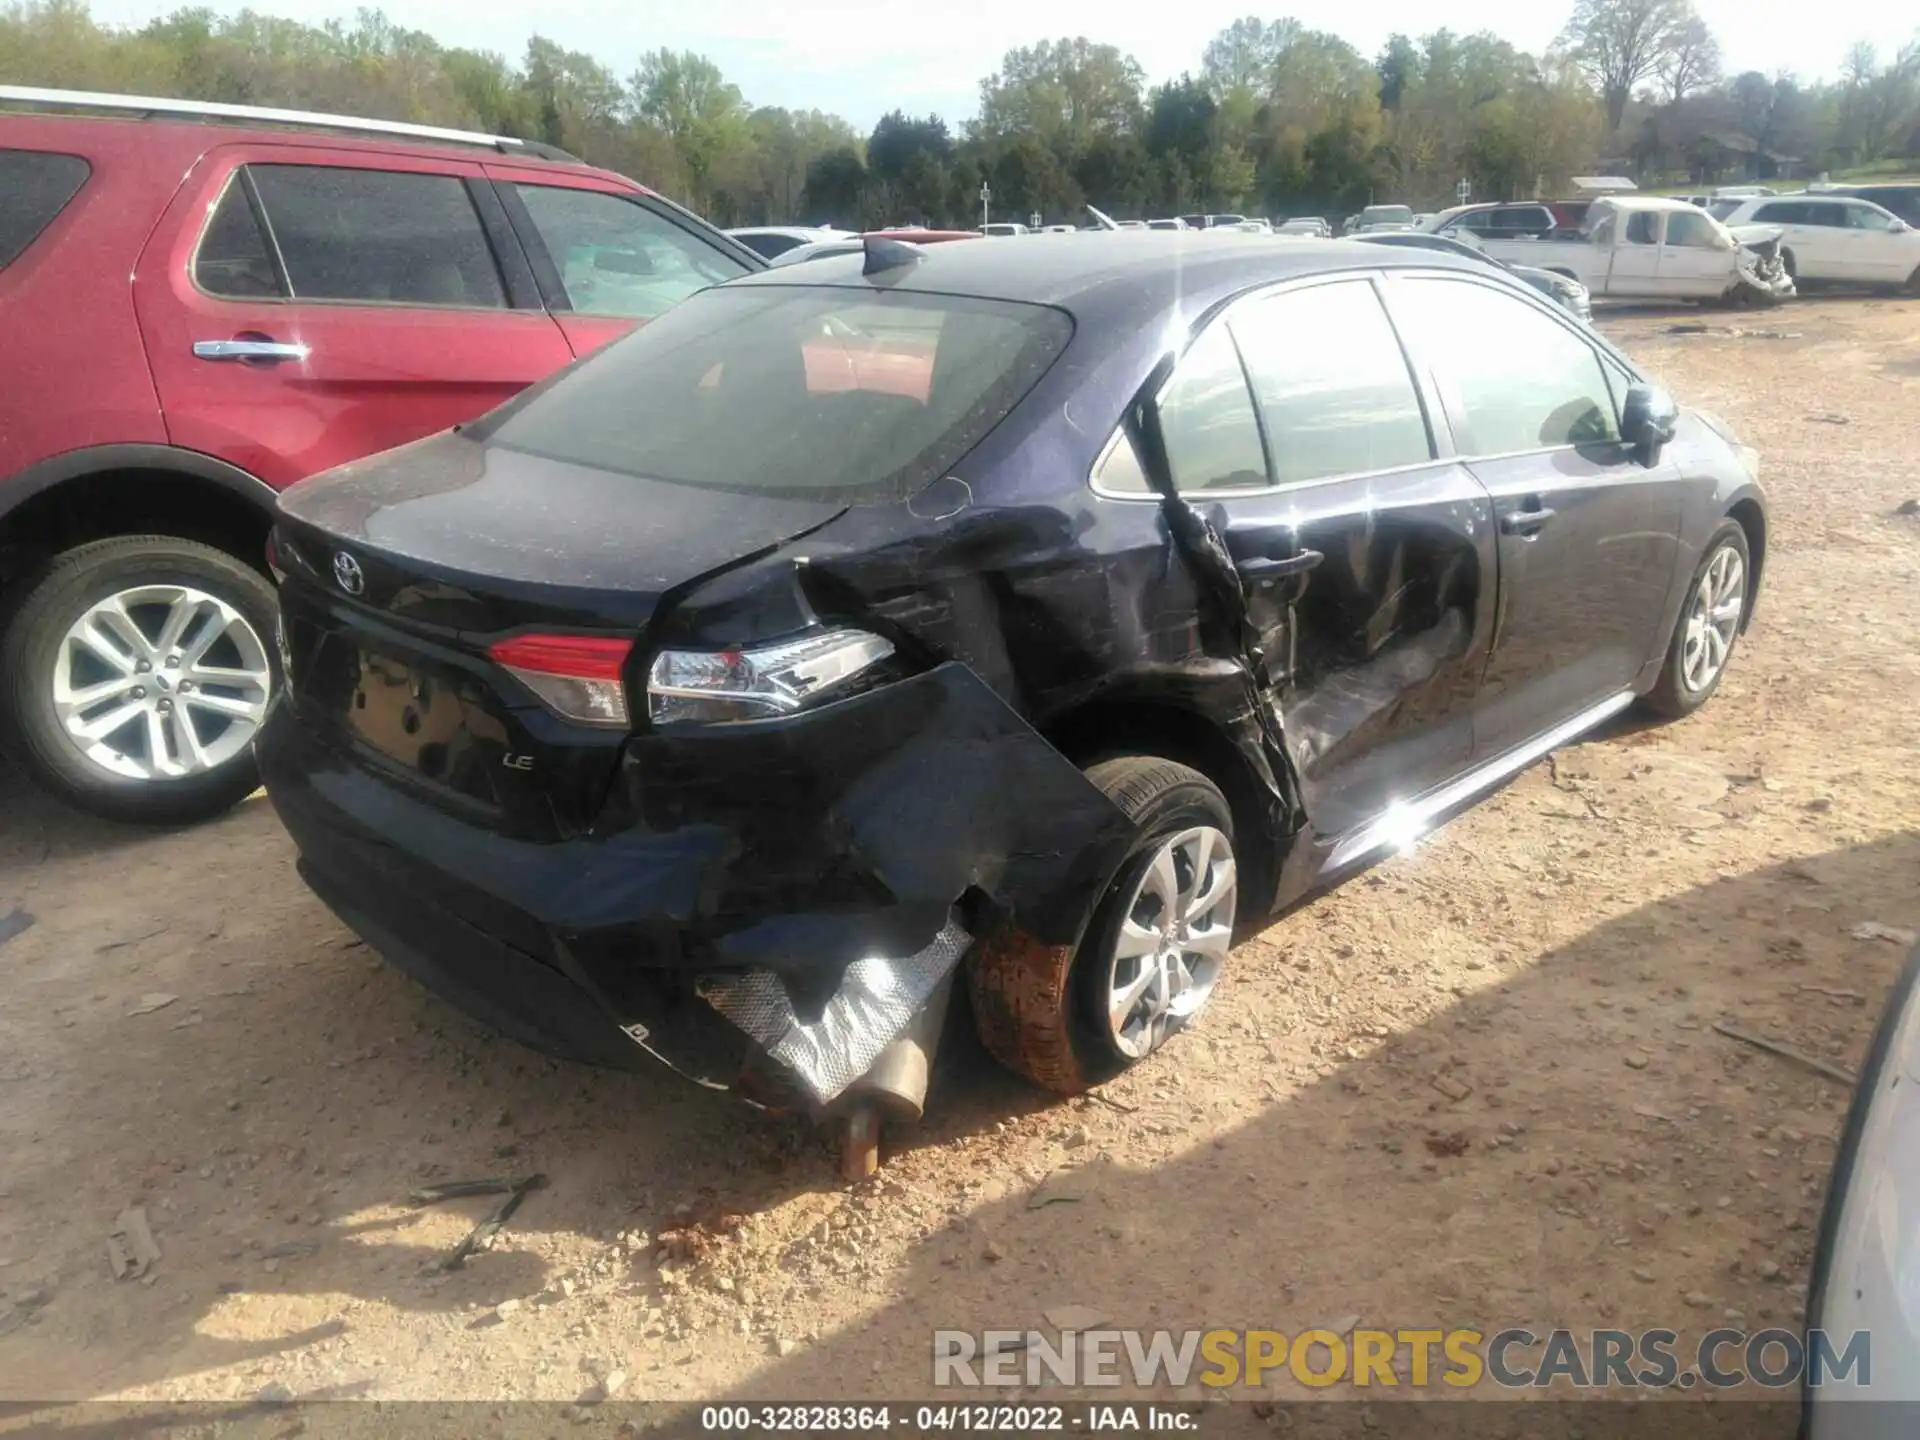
(760, 859)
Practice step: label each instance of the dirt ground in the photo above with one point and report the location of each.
(184, 1028)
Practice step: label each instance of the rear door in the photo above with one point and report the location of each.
(608, 259)
(303, 306)
(1367, 557)
(1588, 535)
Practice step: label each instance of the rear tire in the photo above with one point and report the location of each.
(70, 639)
(1050, 1014)
(1705, 634)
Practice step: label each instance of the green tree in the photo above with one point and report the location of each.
(705, 117)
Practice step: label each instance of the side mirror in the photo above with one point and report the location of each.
(1648, 420)
(1899, 226)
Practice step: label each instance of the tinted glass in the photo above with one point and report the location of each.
(1779, 212)
(769, 245)
(1865, 217)
(1332, 386)
(233, 258)
(616, 257)
(34, 187)
(379, 236)
(1207, 421)
(1691, 230)
(849, 394)
(1643, 228)
(1828, 214)
(1525, 383)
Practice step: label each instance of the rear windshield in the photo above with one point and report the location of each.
(1721, 209)
(854, 395)
(34, 187)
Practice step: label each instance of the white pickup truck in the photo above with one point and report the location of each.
(1645, 248)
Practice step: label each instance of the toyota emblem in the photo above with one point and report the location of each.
(347, 571)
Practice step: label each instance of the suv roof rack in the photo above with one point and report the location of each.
(152, 105)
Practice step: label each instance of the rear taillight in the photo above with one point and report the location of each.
(576, 676)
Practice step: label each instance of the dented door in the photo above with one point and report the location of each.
(1365, 556)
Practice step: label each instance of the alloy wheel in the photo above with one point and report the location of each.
(160, 682)
(1714, 619)
(1173, 939)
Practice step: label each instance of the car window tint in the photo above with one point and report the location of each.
(1832, 216)
(815, 391)
(1643, 228)
(1525, 382)
(378, 236)
(1695, 231)
(1781, 212)
(769, 246)
(1865, 217)
(233, 259)
(1207, 420)
(1120, 470)
(35, 186)
(1331, 383)
(617, 257)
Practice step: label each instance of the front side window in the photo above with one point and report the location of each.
(1207, 421)
(1524, 382)
(813, 392)
(35, 186)
(384, 237)
(617, 257)
(1866, 217)
(1332, 386)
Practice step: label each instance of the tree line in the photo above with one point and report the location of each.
(1279, 119)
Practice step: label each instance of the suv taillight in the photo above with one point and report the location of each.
(576, 676)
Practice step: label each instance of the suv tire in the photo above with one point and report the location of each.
(90, 624)
(1045, 1014)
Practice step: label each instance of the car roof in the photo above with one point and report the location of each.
(1084, 270)
(156, 137)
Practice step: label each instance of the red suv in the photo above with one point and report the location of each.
(201, 314)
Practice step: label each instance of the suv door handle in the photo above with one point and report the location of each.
(1297, 564)
(1524, 522)
(247, 350)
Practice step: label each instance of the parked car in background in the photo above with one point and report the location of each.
(1829, 237)
(1384, 217)
(1902, 199)
(203, 313)
(1212, 222)
(1132, 224)
(1562, 290)
(1167, 224)
(1004, 229)
(722, 699)
(854, 244)
(1642, 247)
(1495, 222)
(768, 241)
(1306, 225)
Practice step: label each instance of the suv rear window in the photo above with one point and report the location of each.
(824, 392)
(35, 186)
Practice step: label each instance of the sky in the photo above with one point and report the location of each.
(862, 58)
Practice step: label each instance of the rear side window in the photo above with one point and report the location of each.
(234, 260)
(617, 257)
(1332, 386)
(35, 186)
(1207, 420)
(1526, 382)
(818, 392)
(384, 237)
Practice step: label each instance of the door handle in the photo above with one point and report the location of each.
(247, 350)
(1296, 564)
(1524, 522)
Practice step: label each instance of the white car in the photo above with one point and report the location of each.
(1833, 237)
(1306, 225)
(1866, 1268)
(768, 241)
(1167, 225)
(1004, 229)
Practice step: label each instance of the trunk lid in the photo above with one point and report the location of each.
(403, 568)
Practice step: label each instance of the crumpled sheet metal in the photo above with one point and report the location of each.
(876, 1000)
